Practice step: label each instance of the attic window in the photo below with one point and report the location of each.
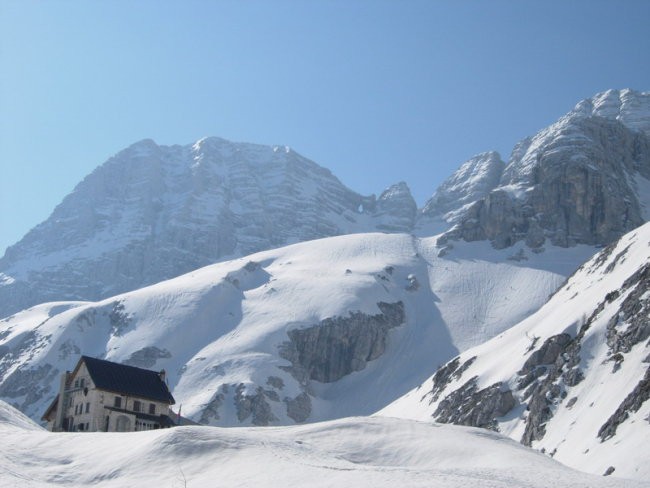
(118, 402)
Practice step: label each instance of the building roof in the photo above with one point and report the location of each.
(127, 380)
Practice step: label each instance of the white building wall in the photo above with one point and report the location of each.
(85, 405)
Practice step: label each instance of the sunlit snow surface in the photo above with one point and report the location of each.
(359, 452)
(224, 324)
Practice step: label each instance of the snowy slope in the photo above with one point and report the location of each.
(317, 330)
(363, 452)
(572, 380)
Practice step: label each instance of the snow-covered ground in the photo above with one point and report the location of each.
(360, 452)
(222, 326)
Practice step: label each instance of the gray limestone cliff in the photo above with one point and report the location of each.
(154, 212)
(339, 346)
(325, 352)
(395, 210)
(575, 182)
(472, 181)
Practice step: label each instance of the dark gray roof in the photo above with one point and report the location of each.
(127, 380)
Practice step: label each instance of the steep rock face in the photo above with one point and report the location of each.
(472, 181)
(627, 106)
(574, 182)
(154, 212)
(395, 210)
(571, 186)
(340, 345)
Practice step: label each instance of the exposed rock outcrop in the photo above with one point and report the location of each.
(339, 346)
(147, 357)
(632, 324)
(298, 408)
(469, 183)
(396, 209)
(255, 406)
(479, 408)
(210, 411)
(632, 403)
(451, 371)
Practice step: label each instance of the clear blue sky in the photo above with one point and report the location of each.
(377, 91)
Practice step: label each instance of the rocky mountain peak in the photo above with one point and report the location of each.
(573, 182)
(396, 209)
(474, 179)
(153, 212)
(630, 107)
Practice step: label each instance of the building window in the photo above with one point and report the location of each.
(152, 409)
(76, 383)
(136, 406)
(87, 407)
(118, 402)
(81, 383)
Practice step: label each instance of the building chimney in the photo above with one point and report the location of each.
(163, 376)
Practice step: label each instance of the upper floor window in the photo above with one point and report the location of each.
(118, 402)
(136, 406)
(152, 409)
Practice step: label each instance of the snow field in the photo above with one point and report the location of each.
(363, 452)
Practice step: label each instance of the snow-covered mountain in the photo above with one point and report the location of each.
(154, 212)
(584, 179)
(362, 452)
(318, 330)
(572, 380)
